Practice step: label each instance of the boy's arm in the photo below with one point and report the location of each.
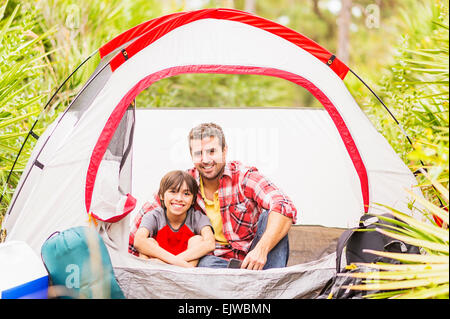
(203, 247)
(149, 246)
(146, 208)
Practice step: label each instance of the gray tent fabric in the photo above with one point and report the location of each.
(312, 262)
(154, 280)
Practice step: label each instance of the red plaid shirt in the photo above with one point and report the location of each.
(243, 193)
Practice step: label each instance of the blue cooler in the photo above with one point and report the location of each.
(22, 272)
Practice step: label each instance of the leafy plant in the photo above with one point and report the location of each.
(417, 91)
(40, 44)
(23, 63)
(419, 276)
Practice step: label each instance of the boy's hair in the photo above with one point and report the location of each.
(206, 130)
(175, 179)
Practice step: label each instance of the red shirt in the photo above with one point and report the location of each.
(174, 241)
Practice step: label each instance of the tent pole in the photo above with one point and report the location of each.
(30, 132)
(389, 111)
(420, 170)
(67, 79)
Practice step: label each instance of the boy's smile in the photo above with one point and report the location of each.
(177, 202)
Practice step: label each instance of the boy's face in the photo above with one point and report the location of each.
(208, 157)
(178, 202)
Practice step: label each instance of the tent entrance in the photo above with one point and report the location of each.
(299, 149)
(337, 120)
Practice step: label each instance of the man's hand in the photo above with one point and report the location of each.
(277, 227)
(255, 259)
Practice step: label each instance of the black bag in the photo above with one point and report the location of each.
(355, 242)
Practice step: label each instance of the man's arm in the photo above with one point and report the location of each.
(277, 227)
(282, 215)
(149, 246)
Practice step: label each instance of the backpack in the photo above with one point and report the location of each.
(355, 240)
(79, 265)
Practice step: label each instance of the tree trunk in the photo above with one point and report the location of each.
(344, 20)
(331, 23)
(227, 3)
(250, 6)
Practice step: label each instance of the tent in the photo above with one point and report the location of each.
(102, 158)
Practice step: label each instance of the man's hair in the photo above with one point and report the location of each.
(174, 180)
(207, 130)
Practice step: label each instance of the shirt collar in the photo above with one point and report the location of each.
(227, 170)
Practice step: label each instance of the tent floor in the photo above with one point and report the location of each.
(311, 264)
(311, 242)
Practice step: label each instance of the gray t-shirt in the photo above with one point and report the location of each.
(174, 240)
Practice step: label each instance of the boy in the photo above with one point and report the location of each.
(175, 233)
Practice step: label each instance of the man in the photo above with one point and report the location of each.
(249, 214)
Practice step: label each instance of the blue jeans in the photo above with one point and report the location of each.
(277, 257)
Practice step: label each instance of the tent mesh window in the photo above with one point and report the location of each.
(113, 181)
(120, 147)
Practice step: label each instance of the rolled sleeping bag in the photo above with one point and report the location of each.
(79, 265)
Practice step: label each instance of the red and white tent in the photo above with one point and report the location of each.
(100, 157)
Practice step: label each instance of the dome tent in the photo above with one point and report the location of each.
(332, 163)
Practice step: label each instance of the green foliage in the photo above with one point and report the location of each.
(418, 276)
(217, 90)
(416, 91)
(23, 64)
(82, 28)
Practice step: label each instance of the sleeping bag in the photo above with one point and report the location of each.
(79, 265)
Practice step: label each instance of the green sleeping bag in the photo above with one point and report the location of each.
(79, 265)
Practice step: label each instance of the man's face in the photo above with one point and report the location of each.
(208, 157)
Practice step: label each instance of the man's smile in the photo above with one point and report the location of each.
(208, 167)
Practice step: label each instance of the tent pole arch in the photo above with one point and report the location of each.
(109, 129)
(172, 20)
